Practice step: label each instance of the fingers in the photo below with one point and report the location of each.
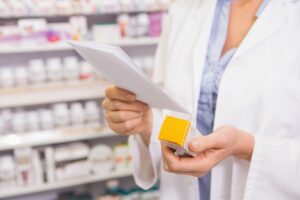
(203, 143)
(114, 105)
(114, 93)
(223, 138)
(126, 127)
(179, 164)
(210, 150)
(197, 166)
(122, 116)
(123, 112)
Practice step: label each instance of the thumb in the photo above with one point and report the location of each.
(203, 143)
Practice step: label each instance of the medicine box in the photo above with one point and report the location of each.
(176, 133)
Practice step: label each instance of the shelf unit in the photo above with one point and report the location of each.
(48, 94)
(64, 46)
(87, 14)
(41, 138)
(9, 193)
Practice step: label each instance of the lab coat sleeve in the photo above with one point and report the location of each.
(147, 159)
(275, 165)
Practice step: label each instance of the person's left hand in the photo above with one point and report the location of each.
(211, 150)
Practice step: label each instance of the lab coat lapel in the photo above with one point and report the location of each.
(188, 54)
(271, 21)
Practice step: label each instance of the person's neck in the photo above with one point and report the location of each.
(245, 3)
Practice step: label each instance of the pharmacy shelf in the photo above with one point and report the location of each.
(142, 41)
(86, 14)
(9, 193)
(12, 49)
(48, 94)
(42, 138)
(63, 46)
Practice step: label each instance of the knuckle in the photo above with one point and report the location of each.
(116, 104)
(110, 125)
(115, 128)
(127, 125)
(121, 116)
(104, 103)
(108, 92)
(166, 168)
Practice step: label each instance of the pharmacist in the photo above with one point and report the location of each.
(235, 64)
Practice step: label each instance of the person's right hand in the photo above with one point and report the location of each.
(126, 115)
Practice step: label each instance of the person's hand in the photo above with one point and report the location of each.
(125, 115)
(211, 150)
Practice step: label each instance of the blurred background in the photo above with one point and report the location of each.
(54, 142)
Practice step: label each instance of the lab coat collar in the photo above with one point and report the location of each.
(271, 20)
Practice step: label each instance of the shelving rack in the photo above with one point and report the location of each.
(62, 184)
(64, 46)
(48, 94)
(41, 138)
(87, 14)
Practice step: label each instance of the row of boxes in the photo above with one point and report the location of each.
(38, 166)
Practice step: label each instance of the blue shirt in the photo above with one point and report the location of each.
(215, 64)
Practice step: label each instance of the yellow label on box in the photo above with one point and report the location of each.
(174, 130)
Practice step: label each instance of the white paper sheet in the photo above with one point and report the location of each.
(120, 70)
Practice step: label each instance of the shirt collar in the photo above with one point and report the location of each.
(262, 7)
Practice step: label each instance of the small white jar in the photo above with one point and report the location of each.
(7, 77)
(19, 122)
(143, 24)
(87, 72)
(21, 76)
(54, 70)
(123, 22)
(77, 114)
(37, 72)
(61, 115)
(33, 121)
(92, 114)
(71, 71)
(6, 116)
(133, 27)
(46, 119)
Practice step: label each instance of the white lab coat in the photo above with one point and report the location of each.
(259, 93)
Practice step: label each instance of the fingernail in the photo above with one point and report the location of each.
(196, 144)
(130, 97)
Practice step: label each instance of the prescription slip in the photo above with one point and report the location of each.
(117, 67)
